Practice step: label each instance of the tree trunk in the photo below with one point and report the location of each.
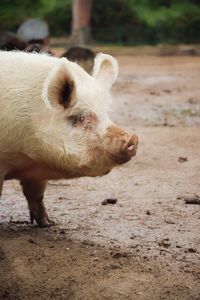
(81, 16)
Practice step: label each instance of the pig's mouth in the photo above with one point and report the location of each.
(119, 159)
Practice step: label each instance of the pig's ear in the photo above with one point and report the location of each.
(59, 88)
(105, 69)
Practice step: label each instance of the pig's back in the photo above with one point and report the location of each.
(21, 79)
(21, 71)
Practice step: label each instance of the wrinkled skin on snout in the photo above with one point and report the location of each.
(54, 123)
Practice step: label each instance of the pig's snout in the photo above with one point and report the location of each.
(129, 148)
(121, 146)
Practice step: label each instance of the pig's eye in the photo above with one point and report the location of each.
(77, 120)
(85, 120)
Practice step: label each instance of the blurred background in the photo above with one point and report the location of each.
(118, 22)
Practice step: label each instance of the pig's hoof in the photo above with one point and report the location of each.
(42, 220)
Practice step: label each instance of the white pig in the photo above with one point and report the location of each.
(54, 123)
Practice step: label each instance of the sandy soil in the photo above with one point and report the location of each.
(147, 245)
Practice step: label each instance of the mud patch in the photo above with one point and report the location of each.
(72, 270)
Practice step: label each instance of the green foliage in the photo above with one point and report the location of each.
(56, 12)
(59, 16)
(114, 21)
(12, 13)
(147, 21)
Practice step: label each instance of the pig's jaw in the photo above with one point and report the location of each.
(97, 163)
(86, 152)
(95, 159)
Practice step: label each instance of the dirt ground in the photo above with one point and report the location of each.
(147, 245)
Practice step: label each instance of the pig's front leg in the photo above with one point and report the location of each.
(34, 193)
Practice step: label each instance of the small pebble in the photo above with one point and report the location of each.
(31, 241)
(182, 159)
(109, 201)
(191, 250)
(165, 243)
(118, 254)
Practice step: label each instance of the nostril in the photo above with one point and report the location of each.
(131, 147)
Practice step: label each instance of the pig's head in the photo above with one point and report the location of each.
(79, 137)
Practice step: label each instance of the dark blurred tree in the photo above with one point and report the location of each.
(12, 14)
(160, 3)
(56, 12)
(113, 21)
(81, 17)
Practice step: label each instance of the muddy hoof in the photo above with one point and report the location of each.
(42, 220)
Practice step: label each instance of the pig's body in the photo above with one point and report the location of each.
(54, 123)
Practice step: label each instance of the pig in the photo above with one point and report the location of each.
(54, 123)
(9, 41)
(39, 48)
(83, 56)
